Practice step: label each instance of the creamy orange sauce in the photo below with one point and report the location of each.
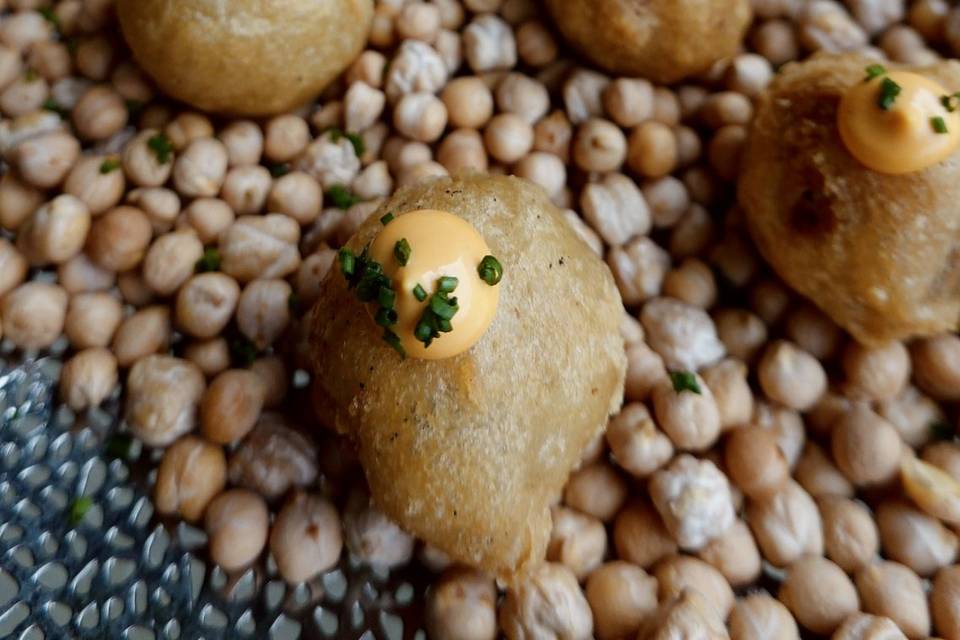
(903, 138)
(441, 244)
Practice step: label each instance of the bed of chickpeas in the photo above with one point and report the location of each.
(813, 485)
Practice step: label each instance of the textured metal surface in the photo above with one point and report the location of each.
(119, 572)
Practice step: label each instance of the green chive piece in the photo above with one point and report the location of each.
(210, 260)
(386, 317)
(348, 262)
(442, 308)
(341, 197)
(120, 446)
(51, 17)
(490, 270)
(279, 170)
(387, 298)
(941, 431)
(402, 251)
(387, 218)
(109, 165)
(939, 124)
(359, 146)
(684, 381)
(889, 90)
(444, 325)
(419, 293)
(79, 508)
(423, 332)
(875, 71)
(161, 147)
(949, 102)
(393, 340)
(447, 284)
(52, 105)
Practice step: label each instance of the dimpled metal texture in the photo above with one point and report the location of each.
(83, 555)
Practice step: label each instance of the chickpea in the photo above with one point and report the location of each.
(689, 615)
(56, 232)
(273, 458)
(33, 314)
(913, 538)
(818, 475)
(547, 603)
(133, 289)
(260, 247)
(668, 200)
(791, 376)
(79, 274)
(728, 381)
(211, 355)
(693, 498)
(296, 195)
(373, 537)
(734, 555)
(305, 539)
(508, 137)
(205, 304)
(143, 161)
(186, 128)
(161, 206)
(246, 189)
(420, 116)
(755, 462)
(640, 536)
(18, 201)
(788, 427)
(92, 319)
(209, 217)
(945, 602)
(263, 311)
(652, 149)
(94, 57)
(577, 540)
(596, 490)
(819, 594)
(689, 416)
(741, 332)
(786, 525)
(863, 626)
(131, 84)
(469, 102)
(936, 365)
(119, 238)
(231, 406)
(944, 455)
(170, 261)
(98, 189)
(553, 135)
(622, 596)
(636, 443)
(850, 535)
(201, 169)
(776, 41)
(191, 473)
(237, 522)
(244, 142)
(45, 160)
(679, 573)
(145, 332)
(286, 136)
(88, 378)
(24, 95)
(810, 329)
(682, 334)
(462, 604)
(879, 373)
(99, 114)
(536, 46)
(13, 267)
(761, 617)
(911, 414)
(599, 145)
(892, 590)
(865, 447)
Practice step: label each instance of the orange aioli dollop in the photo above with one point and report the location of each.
(904, 138)
(441, 244)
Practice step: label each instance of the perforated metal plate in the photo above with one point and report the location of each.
(82, 554)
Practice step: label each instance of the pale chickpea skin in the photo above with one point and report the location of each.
(97, 181)
(80, 274)
(678, 573)
(237, 522)
(56, 232)
(622, 596)
(553, 135)
(692, 282)
(201, 168)
(640, 536)
(463, 149)
(372, 536)
(119, 238)
(246, 189)
(190, 474)
(892, 590)
(689, 417)
(636, 443)
(735, 555)
(599, 145)
(728, 381)
(819, 594)
(741, 332)
(296, 195)
(936, 366)
(668, 200)
(18, 200)
(211, 355)
(536, 46)
(205, 304)
(850, 535)
(133, 289)
(577, 540)
(629, 101)
(285, 137)
(209, 217)
(231, 406)
(863, 626)
(508, 137)
(91, 320)
(547, 603)
(143, 165)
(33, 314)
(819, 476)
(754, 461)
(791, 376)
(263, 310)
(244, 142)
(878, 373)
(811, 330)
(420, 116)
(652, 150)
(469, 102)
(187, 127)
(913, 538)
(866, 448)
(522, 95)
(145, 332)
(305, 539)
(171, 260)
(88, 378)
(99, 114)
(945, 456)
(24, 95)
(45, 160)
(945, 602)
(761, 617)
(13, 266)
(597, 490)
(786, 525)
(161, 206)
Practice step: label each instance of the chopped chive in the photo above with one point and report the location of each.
(359, 147)
(79, 508)
(348, 262)
(402, 251)
(120, 446)
(490, 270)
(210, 260)
(387, 298)
(684, 381)
(162, 147)
(444, 325)
(279, 170)
(875, 71)
(939, 124)
(393, 340)
(442, 308)
(387, 218)
(51, 17)
(52, 105)
(419, 293)
(948, 103)
(447, 284)
(423, 332)
(386, 317)
(109, 166)
(341, 197)
(889, 90)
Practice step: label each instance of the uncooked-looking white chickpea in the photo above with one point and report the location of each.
(693, 498)
(145, 332)
(91, 319)
(819, 594)
(33, 314)
(866, 448)
(373, 537)
(171, 260)
(577, 541)
(786, 525)
(98, 181)
(488, 44)
(683, 335)
(209, 217)
(56, 232)
(892, 590)
(616, 208)
(638, 269)
(237, 522)
(273, 458)
(190, 474)
(362, 107)
(636, 443)
(305, 539)
(687, 412)
(99, 114)
(913, 538)
(622, 596)
(88, 378)
(547, 603)
(791, 376)
(461, 604)
(679, 573)
(200, 170)
(162, 397)
(749, 74)
(205, 304)
(244, 142)
(231, 406)
(761, 617)
(583, 94)
(818, 475)
(640, 536)
(45, 160)
(211, 355)
(148, 159)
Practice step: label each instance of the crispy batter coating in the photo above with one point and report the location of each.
(663, 40)
(469, 452)
(880, 254)
(245, 57)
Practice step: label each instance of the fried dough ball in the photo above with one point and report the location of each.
(877, 252)
(663, 40)
(468, 452)
(247, 57)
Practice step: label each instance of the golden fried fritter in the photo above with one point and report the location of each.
(469, 452)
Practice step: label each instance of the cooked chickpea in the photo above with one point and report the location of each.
(944, 455)
(469, 102)
(244, 142)
(80, 274)
(190, 474)
(305, 539)
(892, 590)
(786, 525)
(296, 195)
(133, 289)
(599, 145)
(285, 137)
(33, 314)
(45, 160)
(263, 310)
(636, 443)
(119, 238)
(170, 261)
(13, 267)
(231, 406)
(741, 332)
(668, 200)
(97, 181)
(461, 604)
(508, 137)
(553, 135)
(463, 149)
(755, 462)
(205, 304)
(211, 355)
(161, 206)
(694, 499)
(678, 573)
(88, 378)
(201, 168)
(373, 537)
(547, 603)
(91, 320)
(936, 365)
(209, 217)
(145, 332)
(652, 150)
(689, 615)
(913, 538)
(597, 490)
(246, 189)
(24, 95)
(912, 413)
(819, 594)
(688, 416)
(622, 596)
(727, 380)
(791, 376)
(187, 127)
(849, 533)
(760, 617)
(818, 475)
(865, 447)
(237, 523)
(945, 602)
(143, 163)
(878, 373)
(273, 458)
(692, 282)
(18, 200)
(735, 555)
(420, 116)
(577, 540)
(99, 114)
(56, 232)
